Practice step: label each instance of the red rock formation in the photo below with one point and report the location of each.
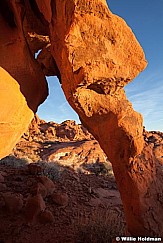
(66, 131)
(96, 54)
(23, 85)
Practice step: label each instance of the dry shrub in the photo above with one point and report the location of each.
(103, 227)
(13, 161)
(52, 169)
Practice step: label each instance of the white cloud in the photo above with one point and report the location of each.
(147, 98)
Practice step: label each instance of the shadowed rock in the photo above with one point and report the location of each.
(96, 55)
(23, 85)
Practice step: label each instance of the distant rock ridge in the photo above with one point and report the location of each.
(69, 130)
(70, 144)
(66, 131)
(155, 138)
(94, 54)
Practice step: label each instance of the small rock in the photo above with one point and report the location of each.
(39, 188)
(34, 206)
(94, 202)
(13, 202)
(60, 199)
(46, 217)
(102, 193)
(49, 184)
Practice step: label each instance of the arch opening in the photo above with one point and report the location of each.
(56, 108)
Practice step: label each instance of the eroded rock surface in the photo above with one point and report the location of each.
(23, 85)
(86, 156)
(78, 202)
(95, 54)
(101, 55)
(68, 144)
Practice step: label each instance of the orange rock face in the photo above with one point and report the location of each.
(100, 55)
(23, 85)
(14, 113)
(96, 55)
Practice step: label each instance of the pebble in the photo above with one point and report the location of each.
(46, 217)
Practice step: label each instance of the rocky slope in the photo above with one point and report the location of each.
(155, 138)
(54, 204)
(67, 143)
(58, 186)
(71, 144)
(94, 54)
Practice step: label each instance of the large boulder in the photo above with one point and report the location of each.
(95, 54)
(23, 85)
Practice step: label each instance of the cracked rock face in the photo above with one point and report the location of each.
(97, 55)
(94, 54)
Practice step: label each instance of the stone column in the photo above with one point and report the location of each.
(97, 55)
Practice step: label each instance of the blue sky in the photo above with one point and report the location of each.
(145, 17)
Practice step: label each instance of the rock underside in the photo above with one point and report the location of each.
(94, 54)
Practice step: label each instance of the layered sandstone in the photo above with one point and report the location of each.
(94, 54)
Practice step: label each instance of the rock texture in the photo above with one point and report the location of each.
(99, 62)
(23, 85)
(84, 154)
(95, 54)
(42, 131)
(68, 144)
(79, 203)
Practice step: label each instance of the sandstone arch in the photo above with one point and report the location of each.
(95, 54)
